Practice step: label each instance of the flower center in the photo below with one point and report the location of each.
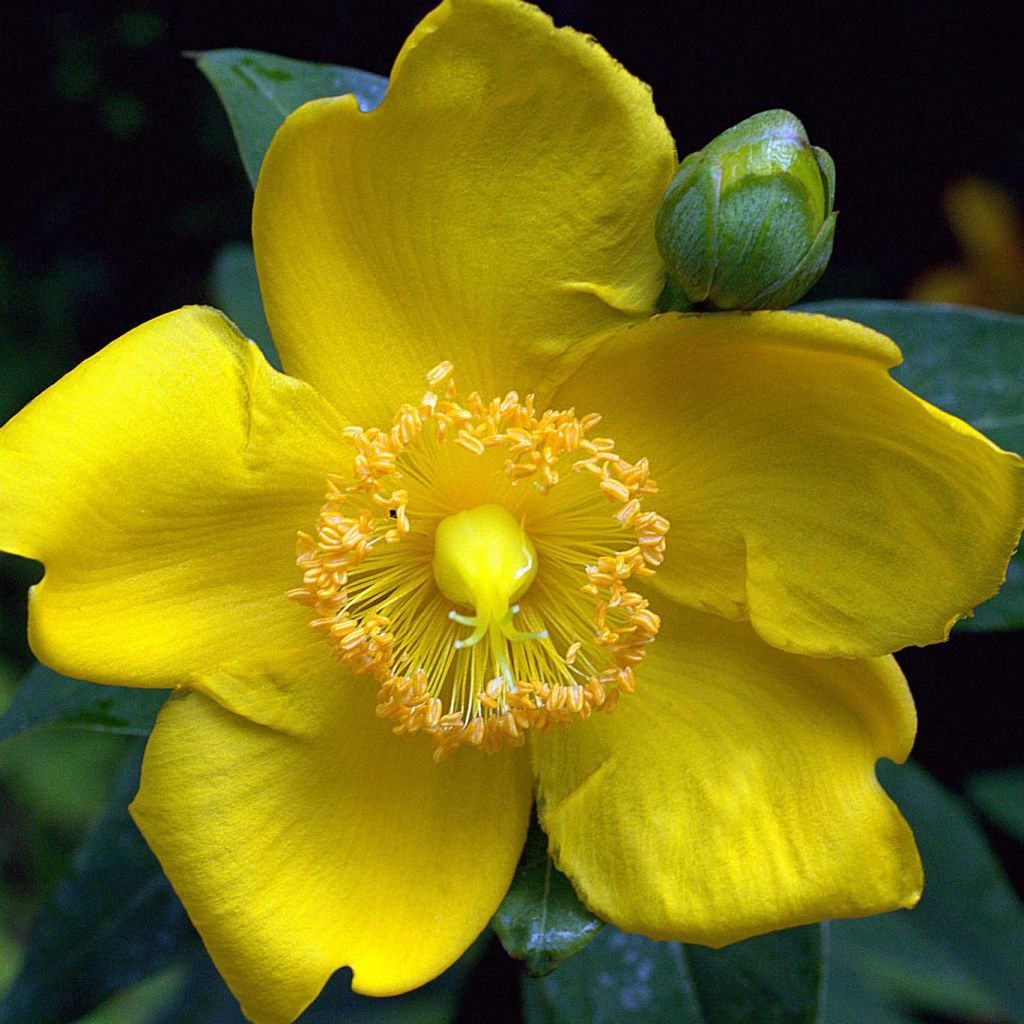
(484, 560)
(469, 562)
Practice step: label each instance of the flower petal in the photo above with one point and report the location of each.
(297, 854)
(734, 793)
(806, 489)
(496, 209)
(162, 483)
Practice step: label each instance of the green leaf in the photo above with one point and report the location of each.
(962, 947)
(205, 999)
(235, 289)
(969, 362)
(772, 979)
(849, 999)
(1000, 795)
(139, 1003)
(894, 960)
(618, 979)
(541, 921)
(57, 780)
(47, 698)
(259, 90)
(113, 921)
(627, 979)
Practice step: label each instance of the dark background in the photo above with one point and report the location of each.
(126, 182)
(123, 183)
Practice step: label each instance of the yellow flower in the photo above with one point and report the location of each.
(477, 567)
(991, 274)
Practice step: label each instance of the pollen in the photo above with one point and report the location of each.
(477, 559)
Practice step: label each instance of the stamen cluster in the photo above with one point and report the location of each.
(366, 573)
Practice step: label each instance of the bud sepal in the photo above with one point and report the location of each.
(748, 221)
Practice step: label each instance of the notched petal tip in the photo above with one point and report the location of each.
(737, 793)
(846, 516)
(135, 478)
(446, 223)
(283, 888)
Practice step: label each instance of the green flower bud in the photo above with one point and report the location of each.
(747, 222)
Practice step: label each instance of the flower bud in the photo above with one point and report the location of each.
(747, 222)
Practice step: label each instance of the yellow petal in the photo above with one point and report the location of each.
(162, 483)
(988, 226)
(806, 489)
(495, 210)
(734, 793)
(298, 854)
(948, 284)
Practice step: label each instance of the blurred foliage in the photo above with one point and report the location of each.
(47, 698)
(1000, 796)
(112, 921)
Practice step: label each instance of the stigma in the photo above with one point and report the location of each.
(483, 559)
(469, 562)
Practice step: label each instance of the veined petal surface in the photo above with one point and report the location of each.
(734, 793)
(337, 845)
(161, 483)
(806, 489)
(497, 209)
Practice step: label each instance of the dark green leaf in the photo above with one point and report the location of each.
(956, 954)
(1000, 795)
(617, 979)
(848, 998)
(969, 912)
(140, 1003)
(235, 289)
(969, 362)
(627, 979)
(259, 90)
(113, 921)
(54, 781)
(47, 698)
(541, 920)
(771, 979)
(205, 999)
(894, 960)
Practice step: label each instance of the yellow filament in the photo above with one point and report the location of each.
(491, 517)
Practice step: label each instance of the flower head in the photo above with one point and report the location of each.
(648, 570)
